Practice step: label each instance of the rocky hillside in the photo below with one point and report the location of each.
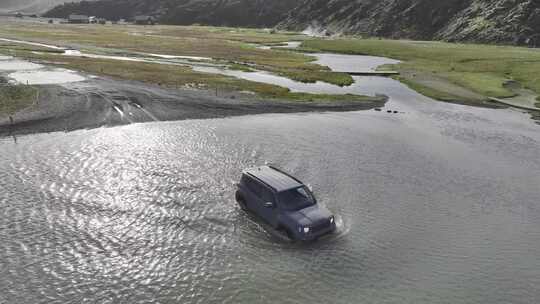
(493, 21)
(502, 21)
(109, 9)
(29, 6)
(257, 13)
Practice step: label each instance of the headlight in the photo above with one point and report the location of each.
(332, 220)
(306, 229)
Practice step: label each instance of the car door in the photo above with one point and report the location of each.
(252, 193)
(266, 212)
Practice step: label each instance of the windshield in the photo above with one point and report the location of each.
(296, 199)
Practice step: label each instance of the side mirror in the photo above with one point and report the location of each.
(269, 205)
(310, 187)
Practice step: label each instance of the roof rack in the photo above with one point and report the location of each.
(274, 178)
(285, 173)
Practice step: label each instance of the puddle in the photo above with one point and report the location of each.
(352, 63)
(262, 47)
(41, 77)
(73, 52)
(363, 85)
(25, 72)
(77, 53)
(160, 59)
(340, 62)
(290, 45)
(18, 65)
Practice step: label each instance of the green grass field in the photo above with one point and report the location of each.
(481, 69)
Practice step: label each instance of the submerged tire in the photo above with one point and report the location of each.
(240, 200)
(288, 233)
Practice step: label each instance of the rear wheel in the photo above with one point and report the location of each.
(240, 200)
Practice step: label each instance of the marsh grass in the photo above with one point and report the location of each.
(221, 44)
(241, 67)
(218, 43)
(480, 68)
(180, 76)
(15, 97)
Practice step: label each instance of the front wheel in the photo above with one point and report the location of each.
(288, 233)
(240, 200)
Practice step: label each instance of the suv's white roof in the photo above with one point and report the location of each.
(274, 178)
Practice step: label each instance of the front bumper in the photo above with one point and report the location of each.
(317, 233)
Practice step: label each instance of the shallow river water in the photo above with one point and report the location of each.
(363, 85)
(437, 204)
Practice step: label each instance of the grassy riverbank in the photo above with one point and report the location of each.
(15, 97)
(222, 44)
(427, 66)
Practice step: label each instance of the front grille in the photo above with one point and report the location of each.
(322, 226)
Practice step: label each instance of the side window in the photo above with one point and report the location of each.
(252, 186)
(245, 180)
(267, 195)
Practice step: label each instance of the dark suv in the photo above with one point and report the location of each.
(283, 202)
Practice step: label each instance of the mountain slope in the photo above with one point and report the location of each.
(229, 12)
(493, 21)
(30, 6)
(509, 21)
(210, 12)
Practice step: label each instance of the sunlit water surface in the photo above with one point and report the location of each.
(438, 203)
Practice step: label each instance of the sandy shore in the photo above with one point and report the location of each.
(107, 102)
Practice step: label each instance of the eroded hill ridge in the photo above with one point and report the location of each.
(492, 21)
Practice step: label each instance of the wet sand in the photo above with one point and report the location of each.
(107, 102)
